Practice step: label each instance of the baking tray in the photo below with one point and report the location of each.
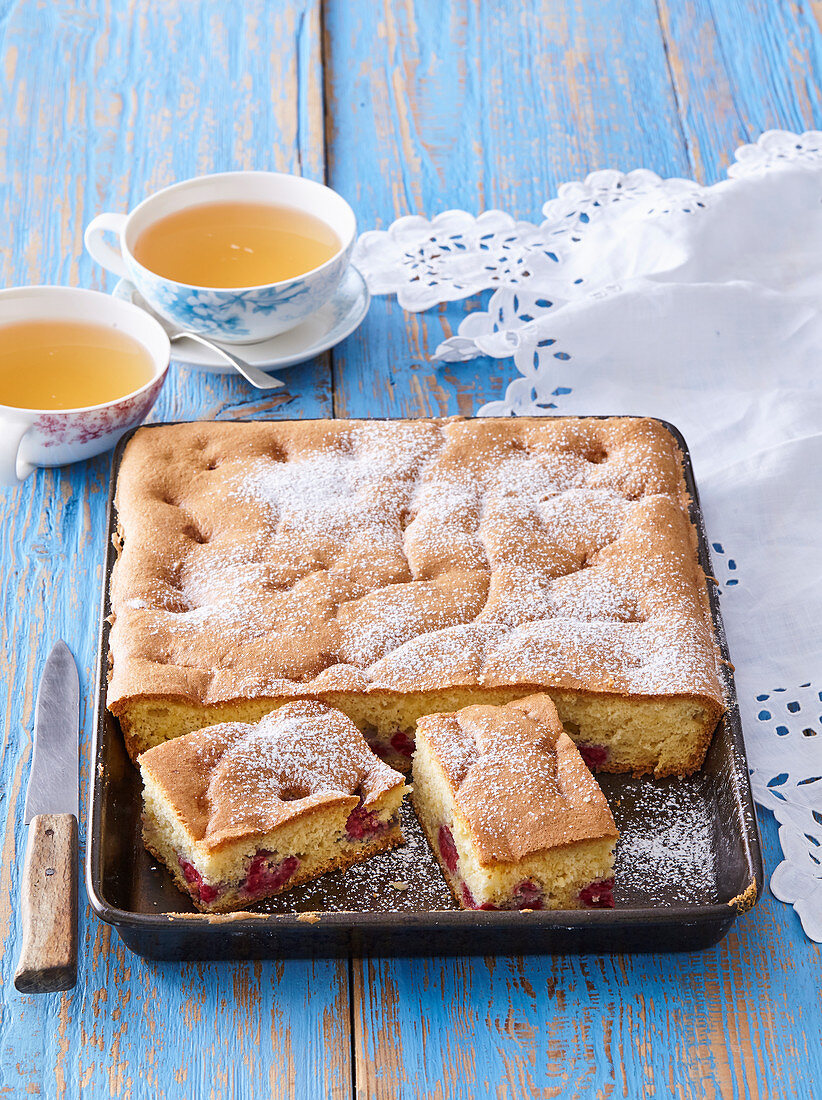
(688, 862)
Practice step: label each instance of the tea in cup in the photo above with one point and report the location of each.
(238, 256)
(77, 370)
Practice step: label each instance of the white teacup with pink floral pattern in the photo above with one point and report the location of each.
(55, 437)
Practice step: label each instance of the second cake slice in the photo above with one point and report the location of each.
(511, 811)
(239, 812)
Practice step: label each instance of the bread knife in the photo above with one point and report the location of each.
(48, 957)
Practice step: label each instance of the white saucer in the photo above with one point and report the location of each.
(337, 319)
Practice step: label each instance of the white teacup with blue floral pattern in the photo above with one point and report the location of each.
(235, 315)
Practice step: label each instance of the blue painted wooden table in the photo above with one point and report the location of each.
(404, 106)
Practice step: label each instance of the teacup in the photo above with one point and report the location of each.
(238, 315)
(55, 437)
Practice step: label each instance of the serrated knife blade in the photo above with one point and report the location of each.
(48, 885)
(54, 781)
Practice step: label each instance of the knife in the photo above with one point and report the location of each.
(48, 958)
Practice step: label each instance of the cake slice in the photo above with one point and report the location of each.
(511, 811)
(240, 812)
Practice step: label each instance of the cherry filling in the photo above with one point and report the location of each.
(594, 755)
(400, 742)
(403, 744)
(265, 875)
(599, 895)
(448, 849)
(362, 824)
(469, 901)
(527, 895)
(191, 873)
(199, 889)
(467, 897)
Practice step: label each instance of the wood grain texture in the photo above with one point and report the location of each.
(482, 107)
(103, 102)
(48, 906)
(738, 69)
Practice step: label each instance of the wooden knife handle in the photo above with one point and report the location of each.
(48, 958)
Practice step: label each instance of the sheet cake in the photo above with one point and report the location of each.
(397, 568)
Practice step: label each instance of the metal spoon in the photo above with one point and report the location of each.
(252, 374)
(258, 378)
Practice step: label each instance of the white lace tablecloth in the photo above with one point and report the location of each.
(700, 305)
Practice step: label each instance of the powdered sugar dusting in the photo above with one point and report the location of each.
(371, 886)
(342, 493)
(666, 854)
(264, 772)
(431, 554)
(518, 784)
(665, 857)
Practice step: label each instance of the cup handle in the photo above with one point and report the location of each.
(99, 249)
(13, 468)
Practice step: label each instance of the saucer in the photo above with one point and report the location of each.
(337, 319)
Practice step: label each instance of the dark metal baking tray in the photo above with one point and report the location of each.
(688, 862)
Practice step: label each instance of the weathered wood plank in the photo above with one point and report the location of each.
(104, 102)
(740, 69)
(478, 107)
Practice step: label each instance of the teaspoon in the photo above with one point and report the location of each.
(252, 374)
(258, 378)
